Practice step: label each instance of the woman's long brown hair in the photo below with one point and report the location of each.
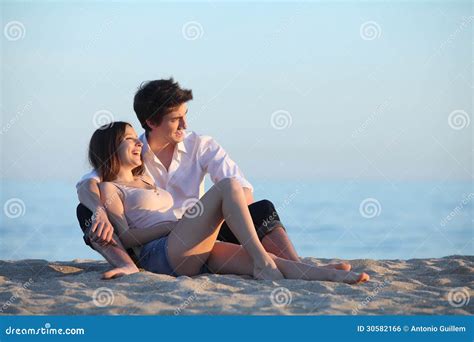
(103, 150)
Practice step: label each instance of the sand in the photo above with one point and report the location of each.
(442, 286)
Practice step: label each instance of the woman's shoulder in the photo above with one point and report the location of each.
(111, 190)
(109, 187)
(106, 184)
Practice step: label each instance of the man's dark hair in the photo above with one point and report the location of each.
(155, 99)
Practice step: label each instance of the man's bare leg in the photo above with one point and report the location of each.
(278, 243)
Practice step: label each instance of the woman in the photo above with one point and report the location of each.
(144, 220)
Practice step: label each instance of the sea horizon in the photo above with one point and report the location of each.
(325, 219)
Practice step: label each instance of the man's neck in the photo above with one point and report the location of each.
(159, 146)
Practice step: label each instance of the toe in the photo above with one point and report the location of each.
(363, 277)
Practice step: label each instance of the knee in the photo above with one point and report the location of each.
(273, 256)
(265, 209)
(83, 213)
(265, 206)
(230, 184)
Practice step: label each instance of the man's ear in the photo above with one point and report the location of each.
(151, 124)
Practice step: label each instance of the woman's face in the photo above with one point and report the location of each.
(130, 149)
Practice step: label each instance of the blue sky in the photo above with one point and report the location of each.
(375, 90)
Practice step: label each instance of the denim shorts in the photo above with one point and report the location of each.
(154, 258)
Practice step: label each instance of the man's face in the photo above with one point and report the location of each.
(172, 126)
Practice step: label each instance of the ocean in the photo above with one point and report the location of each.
(325, 219)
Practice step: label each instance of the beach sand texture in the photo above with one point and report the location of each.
(436, 286)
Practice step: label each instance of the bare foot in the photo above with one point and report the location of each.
(351, 277)
(342, 266)
(267, 271)
(119, 272)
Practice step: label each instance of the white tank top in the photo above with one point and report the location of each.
(145, 208)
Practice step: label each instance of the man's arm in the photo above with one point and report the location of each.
(89, 195)
(101, 230)
(215, 160)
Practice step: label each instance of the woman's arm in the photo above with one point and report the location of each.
(112, 198)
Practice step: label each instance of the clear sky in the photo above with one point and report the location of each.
(312, 90)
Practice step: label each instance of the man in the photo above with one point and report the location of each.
(178, 162)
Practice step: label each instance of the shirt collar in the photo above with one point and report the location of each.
(181, 147)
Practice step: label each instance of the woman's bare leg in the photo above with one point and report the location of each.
(227, 258)
(191, 241)
(344, 266)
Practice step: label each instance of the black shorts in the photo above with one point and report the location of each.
(264, 216)
(265, 219)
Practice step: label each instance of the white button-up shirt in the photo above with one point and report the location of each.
(193, 158)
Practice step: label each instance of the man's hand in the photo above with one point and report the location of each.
(101, 230)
